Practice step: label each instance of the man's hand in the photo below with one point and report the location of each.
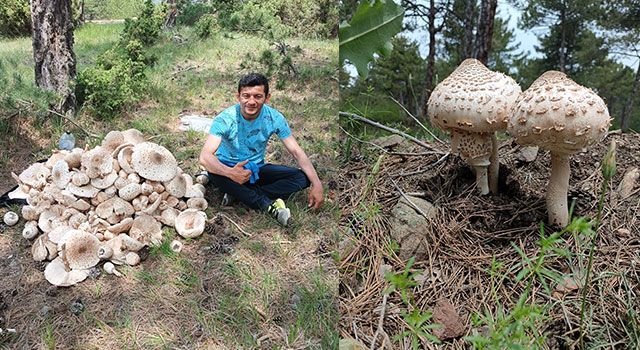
(239, 174)
(316, 196)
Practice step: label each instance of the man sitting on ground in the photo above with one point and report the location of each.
(233, 154)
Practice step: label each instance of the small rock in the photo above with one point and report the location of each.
(446, 315)
(94, 272)
(351, 344)
(295, 300)
(623, 232)
(527, 154)
(76, 307)
(388, 141)
(407, 225)
(384, 269)
(45, 311)
(51, 291)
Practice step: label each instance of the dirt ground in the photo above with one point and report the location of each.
(454, 259)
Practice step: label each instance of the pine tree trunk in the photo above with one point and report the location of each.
(431, 57)
(55, 62)
(467, 50)
(627, 112)
(563, 39)
(484, 35)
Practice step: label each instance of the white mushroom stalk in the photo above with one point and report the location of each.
(473, 104)
(563, 117)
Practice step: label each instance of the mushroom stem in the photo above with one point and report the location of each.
(482, 181)
(557, 191)
(494, 167)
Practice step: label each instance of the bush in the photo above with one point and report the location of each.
(277, 19)
(15, 18)
(189, 13)
(146, 28)
(204, 26)
(112, 9)
(115, 83)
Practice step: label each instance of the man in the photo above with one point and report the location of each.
(233, 154)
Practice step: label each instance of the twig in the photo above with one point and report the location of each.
(417, 121)
(409, 200)
(384, 127)
(74, 123)
(380, 321)
(184, 70)
(362, 141)
(236, 225)
(65, 117)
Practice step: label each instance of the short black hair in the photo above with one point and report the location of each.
(254, 79)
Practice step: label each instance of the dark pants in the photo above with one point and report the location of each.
(276, 181)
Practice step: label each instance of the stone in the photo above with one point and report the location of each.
(408, 225)
(527, 154)
(351, 344)
(445, 314)
(390, 141)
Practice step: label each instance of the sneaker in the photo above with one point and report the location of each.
(227, 200)
(279, 211)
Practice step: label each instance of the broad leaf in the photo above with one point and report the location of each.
(370, 31)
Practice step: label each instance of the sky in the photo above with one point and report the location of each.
(527, 39)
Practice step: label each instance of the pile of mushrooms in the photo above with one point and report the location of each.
(473, 103)
(563, 117)
(107, 203)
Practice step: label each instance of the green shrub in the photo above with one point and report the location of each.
(146, 28)
(204, 26)
(189, 13)
(112, 9)
(115, 83)
(15, 18)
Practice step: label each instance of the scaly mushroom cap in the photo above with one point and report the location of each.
(74, 158)
(473, 99)
(86, 191)
(105, 181)
(190, 223)
(197, 203)
(130, 191)
(112, 141)
(97, 162)
(115, 205)
(60, 174)
(558, 115)
(133, 136)
(55, 157)
(35, 175)
(80, 178)
(146, 229)
(59, 275)
(30, 230)
(81, 250)
(153, 162)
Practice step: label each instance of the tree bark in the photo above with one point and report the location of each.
(563, 38)
(55, 61)
(467, 50)
(431, 57)
(484, 35)
(172, 13)
(627, 112)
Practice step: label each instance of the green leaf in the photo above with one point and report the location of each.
(369, 31)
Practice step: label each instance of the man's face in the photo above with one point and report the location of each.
(251, 99)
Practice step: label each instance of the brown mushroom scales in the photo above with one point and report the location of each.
(472, 104)
(563, 117)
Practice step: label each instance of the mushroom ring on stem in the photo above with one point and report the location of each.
(473, 104)
(563, 117)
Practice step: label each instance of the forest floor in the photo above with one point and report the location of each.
(485, 265)
(276, 289)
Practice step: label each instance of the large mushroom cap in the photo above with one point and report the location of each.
(153, 162)
(59, 275)
(97, 162)
(190, 223)
(35, 175)
(133, 136)
(112, 140)
(473, 99)
(81, 250)
(559, 115)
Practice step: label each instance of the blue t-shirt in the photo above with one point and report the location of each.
(243, 139)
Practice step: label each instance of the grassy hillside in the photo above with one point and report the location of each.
(276, 289)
